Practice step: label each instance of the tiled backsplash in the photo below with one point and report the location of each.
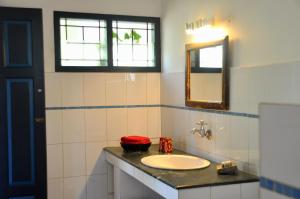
(86, 112)
(234, 137)
(235, 134)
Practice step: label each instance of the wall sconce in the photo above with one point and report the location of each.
(204, 30)
(200, 23)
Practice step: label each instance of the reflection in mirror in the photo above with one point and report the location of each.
(207, 78)
(206, 87)
(207, 59)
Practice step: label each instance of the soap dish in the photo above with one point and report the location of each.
(227, 168)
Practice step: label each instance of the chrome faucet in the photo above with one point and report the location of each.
(202, 130)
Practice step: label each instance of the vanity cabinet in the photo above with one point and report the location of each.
(132, 180)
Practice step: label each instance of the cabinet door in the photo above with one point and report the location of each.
(226, 192)
(250, 190)
(196, 193)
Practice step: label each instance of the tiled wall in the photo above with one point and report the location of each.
(86, 112)
(235, 133)
(280, 162)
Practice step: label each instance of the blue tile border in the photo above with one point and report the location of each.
(248, 115)
(280, 188)
(212, 111)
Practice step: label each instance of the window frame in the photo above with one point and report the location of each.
(108, 19)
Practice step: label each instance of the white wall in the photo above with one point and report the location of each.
(75, 137)
(261, 32)
(264, 54)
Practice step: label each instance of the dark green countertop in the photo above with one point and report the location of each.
(181, 179)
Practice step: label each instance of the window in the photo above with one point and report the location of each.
(96, 42)
(83, 42)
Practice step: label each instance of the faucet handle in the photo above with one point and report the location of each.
(201, 123)
(193, 131)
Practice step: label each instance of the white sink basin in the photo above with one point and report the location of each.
(175, 162)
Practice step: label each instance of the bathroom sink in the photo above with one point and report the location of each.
(175, 162)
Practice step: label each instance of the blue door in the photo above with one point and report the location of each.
(22, 123)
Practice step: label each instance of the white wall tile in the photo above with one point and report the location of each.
(226, 192)
(167, 122)
(55, 188)
(153, 88)
(136, 88)
(53, 90)
(154, 140)
(254, 144)
(113, 143)
(116, 123)
(279, 85)
(257, 87)
(97, 187)
(72, 89)
(279, 143)
(266, 194)
(73, 126)
(222, 135)
(54, 126)
(196, 140)
(239, 138)
(74, 159)
(137, 121)
(181, 125)
(75, 188)
(154, 122)
(94, 89)
(95, 120)
(115, 89)
(173, 88)
(95, 158)
(54, 161)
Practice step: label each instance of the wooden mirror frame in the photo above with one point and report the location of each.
(224, 104)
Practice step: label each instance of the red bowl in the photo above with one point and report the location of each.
(135, 147)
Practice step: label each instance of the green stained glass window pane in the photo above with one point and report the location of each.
(133, 44)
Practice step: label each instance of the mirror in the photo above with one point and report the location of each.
(207, 75)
